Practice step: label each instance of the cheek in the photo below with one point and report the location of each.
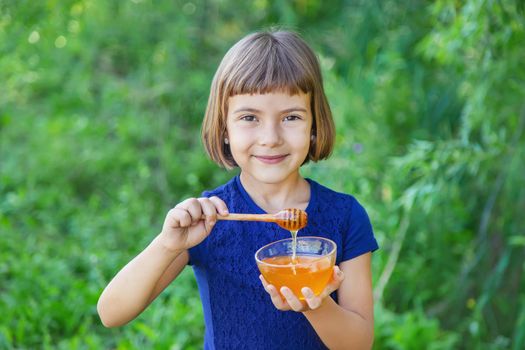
(302, 141)
(239, 141)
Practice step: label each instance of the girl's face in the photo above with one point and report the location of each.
(269, 134)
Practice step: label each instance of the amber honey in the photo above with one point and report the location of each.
(305, 271)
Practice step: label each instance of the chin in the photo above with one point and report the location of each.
(270, 177)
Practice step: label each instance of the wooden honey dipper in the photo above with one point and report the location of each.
(289, 219)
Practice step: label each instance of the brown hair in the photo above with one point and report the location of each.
(263, 62)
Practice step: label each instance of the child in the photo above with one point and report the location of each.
(267, 114)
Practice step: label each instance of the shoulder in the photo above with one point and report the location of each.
(328, 198)
(348, 221)
(231, 194)
(339, 208)
(223, 190)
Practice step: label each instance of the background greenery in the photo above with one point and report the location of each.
(100, 109)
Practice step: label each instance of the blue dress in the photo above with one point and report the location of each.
(238, 313)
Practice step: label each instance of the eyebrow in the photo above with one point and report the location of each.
(253, 110)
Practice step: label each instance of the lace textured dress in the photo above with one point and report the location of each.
(238, 313)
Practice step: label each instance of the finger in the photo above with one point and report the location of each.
(291, 299)
(334, 284)
(337, 277)
(338, 274)
(209, 211)
(276, 298)
(193, 206)
(179, 217)
(220, 206)
(171, 221)
(311, 300)
(263, 280)
(182, 210)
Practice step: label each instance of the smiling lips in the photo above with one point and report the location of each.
(271, 159)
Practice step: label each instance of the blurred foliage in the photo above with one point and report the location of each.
(100, 109)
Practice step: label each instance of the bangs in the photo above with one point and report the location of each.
(269, 67)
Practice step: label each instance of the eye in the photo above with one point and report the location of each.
(249, 118)
(292, 117)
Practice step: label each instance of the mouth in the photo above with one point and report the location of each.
(271, 159)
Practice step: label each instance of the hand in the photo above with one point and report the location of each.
(286, 300)
(184, 226)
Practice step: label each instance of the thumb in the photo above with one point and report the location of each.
(338, 274)
(337, 278)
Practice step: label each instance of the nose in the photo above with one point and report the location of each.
(270, 135)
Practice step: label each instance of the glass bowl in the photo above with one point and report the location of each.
(312, 267)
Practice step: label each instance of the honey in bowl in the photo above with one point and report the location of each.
(312, 266)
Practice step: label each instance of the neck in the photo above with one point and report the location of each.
(294, 192)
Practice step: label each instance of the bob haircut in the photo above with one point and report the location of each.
(260, 63)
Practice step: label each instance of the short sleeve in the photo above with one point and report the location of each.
(360, 236)
(194, 254)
